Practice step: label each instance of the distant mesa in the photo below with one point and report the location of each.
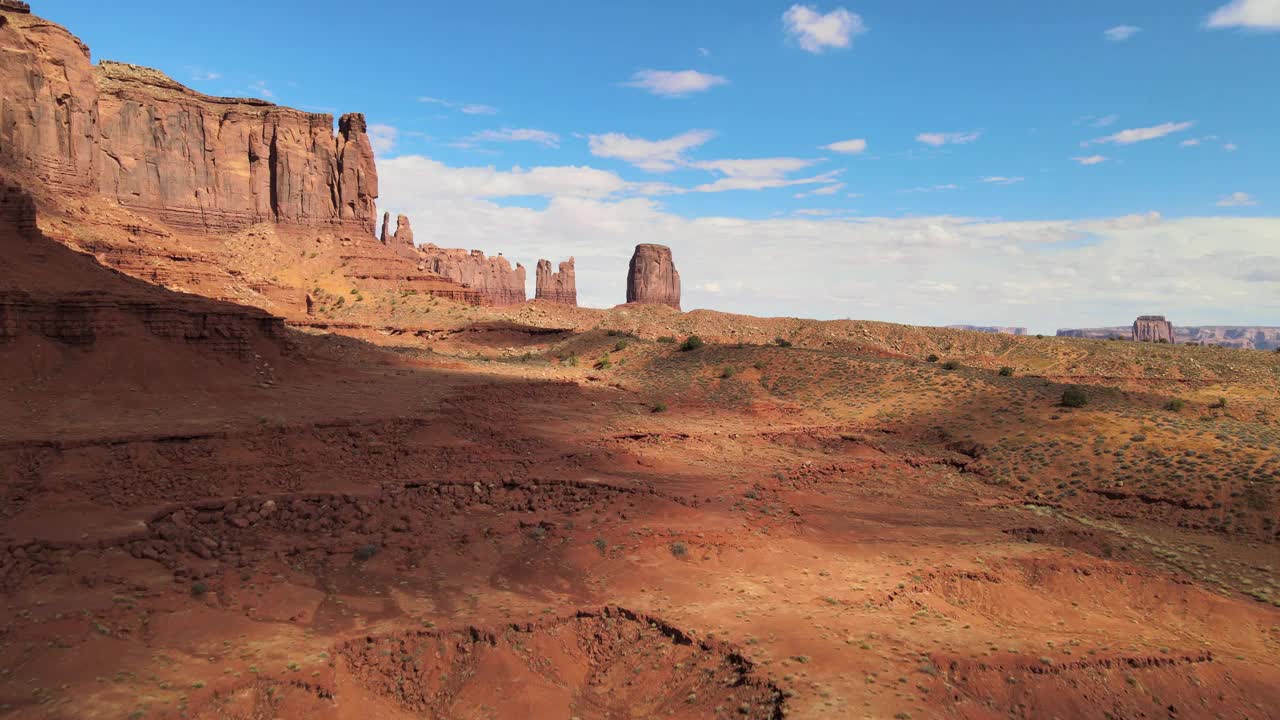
(652, 278)
(560, 287)
(1152, 328)
(990, 329)
(1242, 337)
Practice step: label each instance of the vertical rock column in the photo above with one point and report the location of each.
(652, 278)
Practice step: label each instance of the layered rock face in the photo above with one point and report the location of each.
(652, 278)
(493, 277)
(1152, 328)
(990, 329)
(559, 287)
(197, 161)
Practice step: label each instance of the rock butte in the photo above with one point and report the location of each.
(559, 287)
(652, 278)
(1152, 328)
(210, 165)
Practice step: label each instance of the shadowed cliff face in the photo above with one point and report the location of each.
(196, 161)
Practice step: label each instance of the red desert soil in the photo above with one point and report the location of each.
(255, 464)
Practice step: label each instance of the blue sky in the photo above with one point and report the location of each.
(1013, 136)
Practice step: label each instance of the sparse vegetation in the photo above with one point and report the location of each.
(951, 365)
(1006, 371)
(666, 339)
(1074, 397)
(679, 549)
(727, 372)
(659, 407)
(1175, 405)
(365, 552)
(693, 342)
(933, 358)
(782, 342)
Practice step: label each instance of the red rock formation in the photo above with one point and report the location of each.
(556, 287)
(493, 278)
(652, 278)
(196, 161)
(1152, 328)
(402, 240)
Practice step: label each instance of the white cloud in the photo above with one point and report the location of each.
(938, 139)
(848, 147)
(542, 137)
(651, 155)
(831, 189)
(704, 52)
(1104, 121)
(1230, 147)
(434, 178)
(205, 75)
(383, 138)
(1237, 199)
(1192, 142)
(1001, 180)
(1136, 135)
(816, 31)
(260, 87)
(675, 83)
(1121, 33)
(466, 108)
(1090, 159)
(759, 173)
(1252, 14)
(1003, 270)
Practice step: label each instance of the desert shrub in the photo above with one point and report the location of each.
(604, 363)
(600, 544)
(782, 342)
(198, 589)
(666, 340)
(951, 365)
(1221, 403)
(759, 365)
(1074, 397)
(932, 358)
(1006, 371)
(365, 552)
(679, 549)
(620, 346)
(1175, 405)
(659, 407)
(727, 372)
(693, 342)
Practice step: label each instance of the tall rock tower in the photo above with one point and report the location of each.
(557, 287)
(652, 278)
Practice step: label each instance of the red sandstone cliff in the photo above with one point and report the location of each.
(196, 161)
(557, 287)
(492, 277)
(652, 278)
